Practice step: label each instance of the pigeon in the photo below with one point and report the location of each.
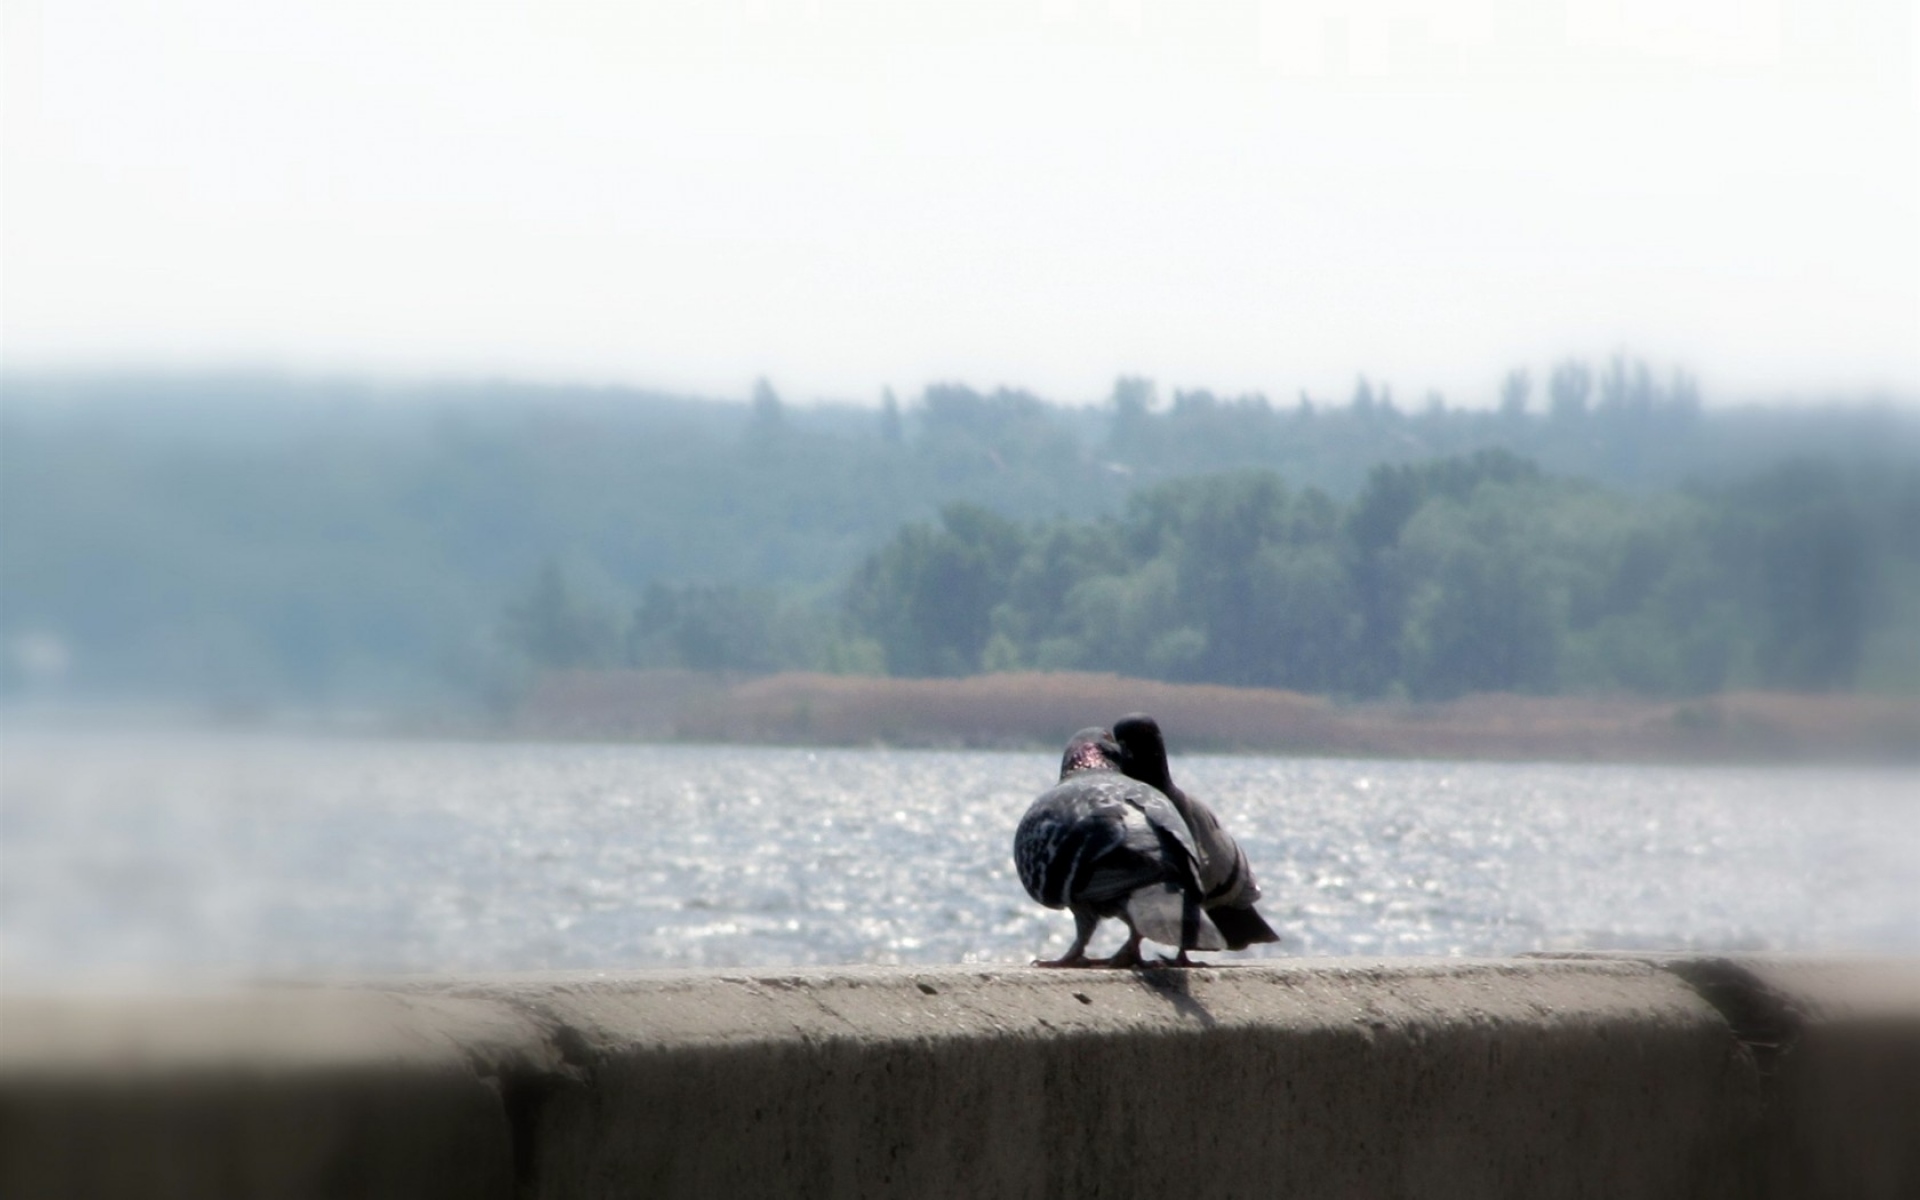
(1226, 878)
(1103, 845)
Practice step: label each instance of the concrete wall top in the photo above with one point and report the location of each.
(263, 1029)
(626, 1012)
(1554, 1076)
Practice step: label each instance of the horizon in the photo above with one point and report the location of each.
(448, 384)
(1249, 198)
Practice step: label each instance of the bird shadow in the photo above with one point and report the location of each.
(1174, 985)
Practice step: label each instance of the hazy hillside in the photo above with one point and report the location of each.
(234, 539)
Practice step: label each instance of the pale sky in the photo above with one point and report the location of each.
(848, 195)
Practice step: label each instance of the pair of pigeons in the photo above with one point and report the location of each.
(1116, 838)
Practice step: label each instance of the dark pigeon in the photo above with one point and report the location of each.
(1103, 845)
(1226, 878)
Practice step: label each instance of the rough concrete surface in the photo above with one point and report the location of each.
(1597, 1076)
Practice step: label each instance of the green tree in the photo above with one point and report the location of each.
(1809, 552)
(928, 595)
(1362, 406)
(708, 627)
(1132, 405)
(1568, 389)
(1514, 390)
(1480, 614)
(1035, 616)
(768, 412)
(555, 631)
(891, 431)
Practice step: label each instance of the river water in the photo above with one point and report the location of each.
(134, 857)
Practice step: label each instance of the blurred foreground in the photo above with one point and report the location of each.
(1657, 1077)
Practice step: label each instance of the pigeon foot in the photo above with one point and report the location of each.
(1070, 961)
(1126, 956)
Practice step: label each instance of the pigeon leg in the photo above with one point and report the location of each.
(1126, 956)
(1076, 955)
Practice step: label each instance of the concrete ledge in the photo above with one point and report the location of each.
(296, 1092)
(1837, 1046)
(1601, 1076)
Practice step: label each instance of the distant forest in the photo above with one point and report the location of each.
(259, 540)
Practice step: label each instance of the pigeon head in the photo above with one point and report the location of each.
(1142, 749)
(1090, 750)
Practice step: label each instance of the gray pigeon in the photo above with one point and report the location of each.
(1103, 845)
(1226, 878)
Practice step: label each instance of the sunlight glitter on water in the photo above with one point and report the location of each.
(263, 855)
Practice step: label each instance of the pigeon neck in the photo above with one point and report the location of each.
(1084, 757)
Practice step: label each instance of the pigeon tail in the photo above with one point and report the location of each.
(1242, 927)
(1168, 914)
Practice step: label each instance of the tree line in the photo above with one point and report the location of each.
(1456, 575)
(261, 539)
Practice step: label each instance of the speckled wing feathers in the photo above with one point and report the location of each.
(1083, 841)
(1103, 844)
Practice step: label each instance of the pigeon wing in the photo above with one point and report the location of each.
(1226, 873)
(1170, 911)
(1076, 846)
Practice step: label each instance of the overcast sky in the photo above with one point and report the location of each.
(847, 195)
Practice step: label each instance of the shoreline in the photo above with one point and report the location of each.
(1030, 712)
(1026, 711)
